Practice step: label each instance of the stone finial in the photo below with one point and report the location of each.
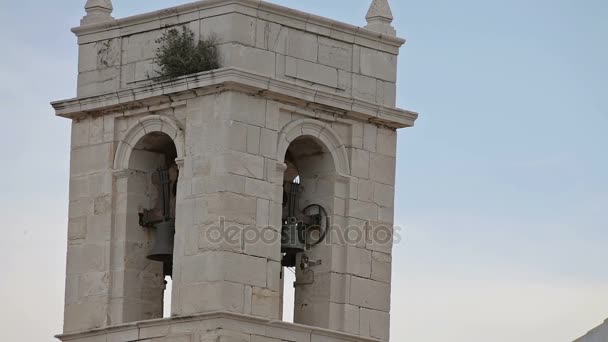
(379, 17)
(97, 11)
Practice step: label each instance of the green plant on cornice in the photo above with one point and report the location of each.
(179, 54)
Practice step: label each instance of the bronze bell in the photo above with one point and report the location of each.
(292, 242)
(162, 250)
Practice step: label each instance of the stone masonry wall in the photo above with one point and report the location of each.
(231, 153)
(254, 40)
(230, 170)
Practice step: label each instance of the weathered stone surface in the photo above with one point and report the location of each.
(327, 93)
(312, 72)
(370, 294)
(302, 45)
(381, 267)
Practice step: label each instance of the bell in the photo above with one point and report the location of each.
(163, 245)
(292, 243)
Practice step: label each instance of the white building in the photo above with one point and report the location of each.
(177, 166)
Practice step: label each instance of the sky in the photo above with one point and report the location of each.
(502, 186)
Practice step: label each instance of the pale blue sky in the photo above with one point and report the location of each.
(502, 186)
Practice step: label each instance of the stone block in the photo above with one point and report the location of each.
(370, 136)
(91, 159)
(384, 195)
(340, 288)
(268, 143)
(230, 28)
(270, 36)
(262, 189)
(386, 215)
(248, 58)
(335, 53)
(146, 332)
(339, 206)
(207, 297)
(345, 82)
(86, 315)
(357, 132)
(239, 163)
(357, 59)
(302, 45)
(258, 338)
(220, 236)
(253, 139)
(223, 335)
(359, 163)
(366, 190)
(123, 335)
(218, 183)
(245, 269)
(80, 132)
(99, 228)
(381, 267)
(262, 212)
(283, 333)
(273, 110)
(232, 207)
(387, 142)
(380, 325)
(362, 210)
(87, 57)
(370, 294)
(205, 267)
(140, 46)
(365, 322)
(265, 303)
(378, 64)
(244, 108)
(273, 276)
(237, 136)
(358, 262)
(344, 317)
(386, 93)
(382, 169)
(99, 55)
(380, 237)
(262, 242)
(86, 259)
(96, 130)
(77, 228)
(81, 207)
(364, 88)
(144, 70)
(311, 72)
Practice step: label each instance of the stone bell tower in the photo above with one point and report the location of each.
(283, 158)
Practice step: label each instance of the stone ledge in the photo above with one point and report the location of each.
(212, 321)
(149, 93)
(282, 15)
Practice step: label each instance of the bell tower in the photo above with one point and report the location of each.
(280, 160)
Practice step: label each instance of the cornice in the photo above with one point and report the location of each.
(221, 315)
(267, 11)
(150, 96)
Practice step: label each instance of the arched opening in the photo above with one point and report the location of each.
(308, 193)
(152, 190)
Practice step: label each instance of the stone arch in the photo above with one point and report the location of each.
(319, 130)
(146, 125)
